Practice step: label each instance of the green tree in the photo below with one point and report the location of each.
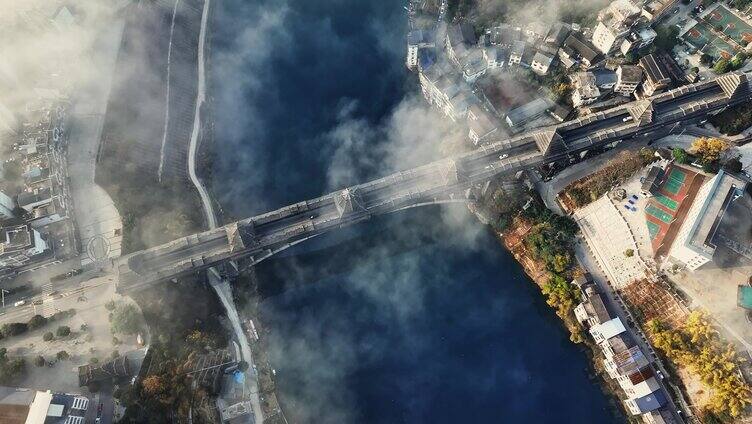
(125, 319)
(39, 361)
(14, 329)
(62, 355)
(722, 66)
(733, 165)
(629, 253)
(37, 321)
(63, 331)
(48, 336)
(706, 59)
(680, 155)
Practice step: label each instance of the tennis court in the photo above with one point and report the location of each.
(705, 41)
(733, 26)
(658, 213)
(665, 201)
(653, 229)
(674, 181)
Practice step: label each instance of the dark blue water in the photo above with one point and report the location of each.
(419, 317)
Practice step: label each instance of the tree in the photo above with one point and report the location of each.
(110, 306)
(39, 361)
(706, 59)
(153, 385)
(709, 149)
(629, 253)
(48, 336)
(63, 331)
(14, 329)
(722, 66)
(679, 154)
(733, 165)
(125, 319)
(738, 61)
(37, 321)
(62, 355)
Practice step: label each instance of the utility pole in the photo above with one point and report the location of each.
(2, 293)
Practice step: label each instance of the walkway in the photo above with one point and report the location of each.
(220, 285)
(97, 219)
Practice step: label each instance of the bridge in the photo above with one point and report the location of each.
(259, 237)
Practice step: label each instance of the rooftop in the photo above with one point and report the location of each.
(582, 47)
(543, 59)
(726, 188)
(630, 73)
(529, 110)
(655, 69)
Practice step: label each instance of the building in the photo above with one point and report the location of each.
(652, 182)
(529, 111)
(481, 124)
(638, 39)
(628, 77)
(561, 112)
(416, 40)
(614, 24)
(657, 76)
(585, 89)
(536, 30)
(694, 246)
(576, 49)
(26, 406)
(625, 362)
(558, 33)
(504, 35)
(516, 52)
(29, 200)
(592, 311)
(456, 108)
(7, 207)
(541, 63)
(496, 56)
(605, 79)
(18, 244)
(474, 65)
(647, 403)
(460, 38)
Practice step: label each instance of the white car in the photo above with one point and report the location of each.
(20, 303)
(504, 156)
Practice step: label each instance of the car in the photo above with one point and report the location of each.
(20, 303)
(504, 156)
(37, 302)
(54, 292)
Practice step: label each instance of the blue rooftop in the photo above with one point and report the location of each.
(652, 401)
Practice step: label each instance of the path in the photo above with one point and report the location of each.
(220, 285)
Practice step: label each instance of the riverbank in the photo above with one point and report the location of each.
(518, 236)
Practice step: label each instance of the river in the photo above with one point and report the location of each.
(417, 317)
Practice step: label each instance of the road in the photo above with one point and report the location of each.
(220, 285)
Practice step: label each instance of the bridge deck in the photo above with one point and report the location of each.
(261, 236)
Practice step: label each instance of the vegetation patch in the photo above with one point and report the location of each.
(697, 346)
(618, 170)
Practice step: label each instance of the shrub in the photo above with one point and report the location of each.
(629, 253)
(14, 329)
(37, 321)
(93, 360)
(62, 355)
(48, 336)
(63, 331)
(39, 361)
